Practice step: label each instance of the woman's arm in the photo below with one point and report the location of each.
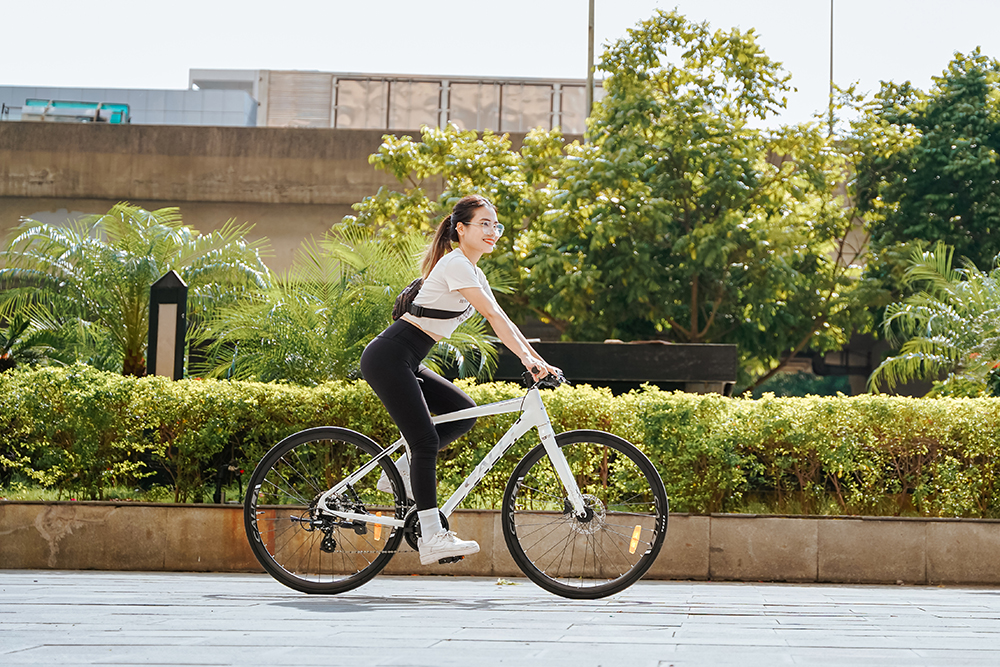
(507, 331)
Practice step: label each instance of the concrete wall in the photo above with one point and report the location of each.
(175, 163)
(291, 183)
(285, 225)
(132, 536)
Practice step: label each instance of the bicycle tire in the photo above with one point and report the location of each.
(303, 548)
(599, 555)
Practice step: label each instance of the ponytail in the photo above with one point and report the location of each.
(447, 231)
(440, 246)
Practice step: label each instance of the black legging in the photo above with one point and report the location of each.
(411, 392)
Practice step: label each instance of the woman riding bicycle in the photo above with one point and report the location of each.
(391, 364)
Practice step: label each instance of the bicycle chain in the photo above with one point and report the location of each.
(382, 551)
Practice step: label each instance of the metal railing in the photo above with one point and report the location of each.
(62, 111)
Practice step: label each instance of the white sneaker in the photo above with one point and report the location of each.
(444, 545)
(403, 466)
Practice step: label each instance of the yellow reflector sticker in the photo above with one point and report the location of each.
(378, 529)
(635, 539)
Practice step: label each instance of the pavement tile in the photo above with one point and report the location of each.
(74, 618)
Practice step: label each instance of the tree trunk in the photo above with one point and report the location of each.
(7, 362)
(135, 364)
(694, 337)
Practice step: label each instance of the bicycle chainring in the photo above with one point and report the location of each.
(411, 526)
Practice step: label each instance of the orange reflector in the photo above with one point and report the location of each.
(635, 539)
(378, 529)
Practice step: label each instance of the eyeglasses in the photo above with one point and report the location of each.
(487, 226)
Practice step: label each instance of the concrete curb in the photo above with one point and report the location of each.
(733, 547)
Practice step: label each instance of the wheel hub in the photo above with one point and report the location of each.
(594, 515)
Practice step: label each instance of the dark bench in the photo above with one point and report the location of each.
(625, 366)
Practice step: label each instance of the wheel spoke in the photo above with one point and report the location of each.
(290, 493)
(296, 473)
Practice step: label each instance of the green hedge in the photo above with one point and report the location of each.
(81, 432)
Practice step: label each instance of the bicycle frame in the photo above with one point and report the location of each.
(533, 416)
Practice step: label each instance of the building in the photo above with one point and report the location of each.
(404, 102)
(234, 108)
(273, 98)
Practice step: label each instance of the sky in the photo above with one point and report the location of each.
(153, 44)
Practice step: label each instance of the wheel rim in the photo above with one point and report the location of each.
(304, 547)
(613, 544)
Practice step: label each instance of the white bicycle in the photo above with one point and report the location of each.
(584, 513)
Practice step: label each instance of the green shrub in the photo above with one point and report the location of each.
(826, 455)
(77, 430)
(80, 432)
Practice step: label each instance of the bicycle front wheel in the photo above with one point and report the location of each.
(605, 551)
(297, 542)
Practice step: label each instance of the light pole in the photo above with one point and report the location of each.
(590, 62)
(831, 68)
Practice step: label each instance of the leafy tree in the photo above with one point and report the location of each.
(313, 323)
(949, 328)
(678, 220)
(687, 222)
(931, 165)
(93, 275)
(926, 171)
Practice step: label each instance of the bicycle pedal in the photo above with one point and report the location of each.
(450, 559)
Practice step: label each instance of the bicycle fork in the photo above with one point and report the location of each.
(534, 410)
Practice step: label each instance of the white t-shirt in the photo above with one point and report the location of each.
(453, 272)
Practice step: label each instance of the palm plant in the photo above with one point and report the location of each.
(950, 328)
(32, 335)
(96, 273)
(312, 325)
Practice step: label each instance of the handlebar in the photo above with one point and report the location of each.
(550, 381)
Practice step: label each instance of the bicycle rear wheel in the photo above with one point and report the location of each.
(610, 548)
(308, 549)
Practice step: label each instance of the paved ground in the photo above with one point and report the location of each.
(77, 618)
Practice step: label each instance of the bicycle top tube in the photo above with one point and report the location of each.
(501, 407)
(498, 408)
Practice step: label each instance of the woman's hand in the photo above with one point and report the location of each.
(538, 368)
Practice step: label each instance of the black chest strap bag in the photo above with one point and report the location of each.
(404, 304)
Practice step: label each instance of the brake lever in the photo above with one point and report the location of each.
(551, 381)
